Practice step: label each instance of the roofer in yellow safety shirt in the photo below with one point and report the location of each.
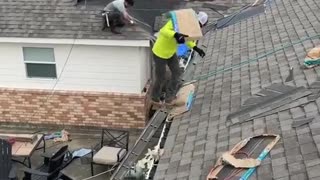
(164, 53)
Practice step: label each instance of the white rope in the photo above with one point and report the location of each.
(151, 37)
(141, 22)
(255, 2)
(157, 147)
(112, 168)
(141, 9)
(57, 80)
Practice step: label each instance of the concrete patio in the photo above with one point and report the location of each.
(80, 139)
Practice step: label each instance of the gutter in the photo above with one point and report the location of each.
(94, 42)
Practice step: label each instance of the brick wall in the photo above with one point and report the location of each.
(73, 108)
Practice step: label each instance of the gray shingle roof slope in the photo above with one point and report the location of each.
(197, 138)
(56, 19)
(202, 6)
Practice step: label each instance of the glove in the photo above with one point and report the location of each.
(180, 38)
(199, 51)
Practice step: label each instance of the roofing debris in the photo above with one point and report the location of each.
(246, 12)
(313, 58)
(184, 100)
(243, 158)
(270, 100)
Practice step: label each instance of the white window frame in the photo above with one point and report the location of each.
(39, 62)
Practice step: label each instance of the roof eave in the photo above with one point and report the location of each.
(94, 42)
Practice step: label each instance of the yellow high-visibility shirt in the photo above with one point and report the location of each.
(166, 45)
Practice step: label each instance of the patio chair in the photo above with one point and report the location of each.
(7, 170)
(112, 148)
(50, 169)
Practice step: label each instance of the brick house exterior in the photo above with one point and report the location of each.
(73, 108)
(59, 69)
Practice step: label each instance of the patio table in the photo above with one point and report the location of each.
(26, 149)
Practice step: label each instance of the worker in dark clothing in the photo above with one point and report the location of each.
(115, 15)
(164, 53)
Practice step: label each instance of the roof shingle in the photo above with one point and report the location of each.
(57, 19)
(203, 134)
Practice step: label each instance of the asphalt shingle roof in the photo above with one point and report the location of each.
(224, 8)
(57, 19)
(197, 138)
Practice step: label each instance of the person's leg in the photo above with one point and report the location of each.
(121, 21)
(175, 80)
(114, 21)
(160, 70)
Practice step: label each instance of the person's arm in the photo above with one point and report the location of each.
(127, 16)
(191, 44)
(167, 30)
(122, 9)
(199, 51)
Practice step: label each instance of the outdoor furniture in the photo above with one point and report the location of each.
(7, 170)
(74, 167)
(26, 149)
(112, 149)
(51, 167)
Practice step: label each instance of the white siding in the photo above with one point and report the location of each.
(88, 68)
(145, 66)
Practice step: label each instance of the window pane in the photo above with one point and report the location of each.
(41, 70)
(38, 54)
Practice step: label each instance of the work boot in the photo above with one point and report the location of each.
(156, 100)
(157, 103)
(171, 100)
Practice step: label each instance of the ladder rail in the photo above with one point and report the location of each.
(143, 141)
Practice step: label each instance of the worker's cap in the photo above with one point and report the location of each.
(202, 18)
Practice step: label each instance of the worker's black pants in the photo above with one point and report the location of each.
(115, 19)
(172, 87)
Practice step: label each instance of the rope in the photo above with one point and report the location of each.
(112, 168)
(57, 80)
(141, 9)
(142, 22)
(232, 16)
(151, 37)
(157, 147)
(237, 66)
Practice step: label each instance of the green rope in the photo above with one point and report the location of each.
(236, 66)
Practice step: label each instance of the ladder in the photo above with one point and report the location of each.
(132, 157)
